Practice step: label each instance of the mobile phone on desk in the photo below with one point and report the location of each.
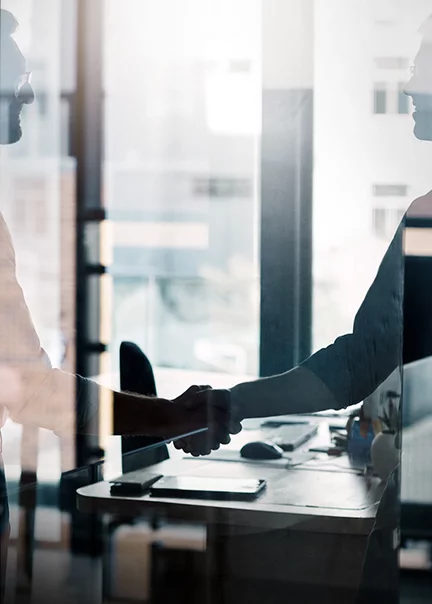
(132, 486)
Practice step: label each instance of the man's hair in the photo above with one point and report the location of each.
(8, 23)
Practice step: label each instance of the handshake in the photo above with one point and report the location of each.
(202, 408)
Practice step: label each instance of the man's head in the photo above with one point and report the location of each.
(15, 88)
(419, 88)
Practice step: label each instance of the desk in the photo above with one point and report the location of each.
(308, 519)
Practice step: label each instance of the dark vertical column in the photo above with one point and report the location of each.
(286, 189)
(88, 139)
(87, 131)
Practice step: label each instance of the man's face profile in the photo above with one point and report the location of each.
(15, 89)
(419, 88)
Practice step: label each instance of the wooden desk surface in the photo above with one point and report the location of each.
(310, 499)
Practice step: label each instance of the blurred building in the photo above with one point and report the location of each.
(181, 179)
(368, 165)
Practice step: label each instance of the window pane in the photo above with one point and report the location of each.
(392, 63)
(37, 192)
(182, 181)
(390, 190)
(403, 100)
(380, 100)
(367, 172)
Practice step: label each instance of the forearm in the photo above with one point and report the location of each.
(133, 414)
(136, 415)
(351, 368)
(129, 414)
(296, 391)
(65, 403)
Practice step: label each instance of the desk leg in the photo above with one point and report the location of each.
(215, 567)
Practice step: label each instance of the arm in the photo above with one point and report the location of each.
(346, 372)
(40, 395)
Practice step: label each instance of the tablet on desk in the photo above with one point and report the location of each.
(193, 487)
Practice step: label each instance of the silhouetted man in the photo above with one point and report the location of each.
(351, 369)
(31, 391)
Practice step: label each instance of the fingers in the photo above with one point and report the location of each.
(203, 444)
(210, 408)
(235, 427)
(225, 439)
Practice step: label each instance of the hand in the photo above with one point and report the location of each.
(216, 419)
(217, 405)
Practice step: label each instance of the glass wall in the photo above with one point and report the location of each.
(37, 191)
(182, 173)
(256, 160)
(368, 165)
(37, 188)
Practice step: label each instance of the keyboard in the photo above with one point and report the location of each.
(291, 436)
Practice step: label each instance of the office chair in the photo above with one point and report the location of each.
(169, 547)
(136, 376)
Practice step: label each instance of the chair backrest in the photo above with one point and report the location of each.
(136, 375)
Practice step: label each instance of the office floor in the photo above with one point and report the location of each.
(59, 576)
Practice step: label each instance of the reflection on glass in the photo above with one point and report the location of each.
(182, 181)
(368, 167)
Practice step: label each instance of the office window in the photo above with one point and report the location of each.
(232, 107)
(388, 63)
(390, 190)
(389, 98)
(358, 182)
(189, 297)
(239, 66)
(403, 100)
(37, 193)
(223, 188)
(385, 221)
(39, 80)
(380, 98)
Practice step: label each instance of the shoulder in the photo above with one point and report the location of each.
(421, 207)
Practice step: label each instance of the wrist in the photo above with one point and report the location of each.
(236, 410)
(177, 420)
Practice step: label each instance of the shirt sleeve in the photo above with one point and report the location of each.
(357, 363)
(41, 395)
(349, 370)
